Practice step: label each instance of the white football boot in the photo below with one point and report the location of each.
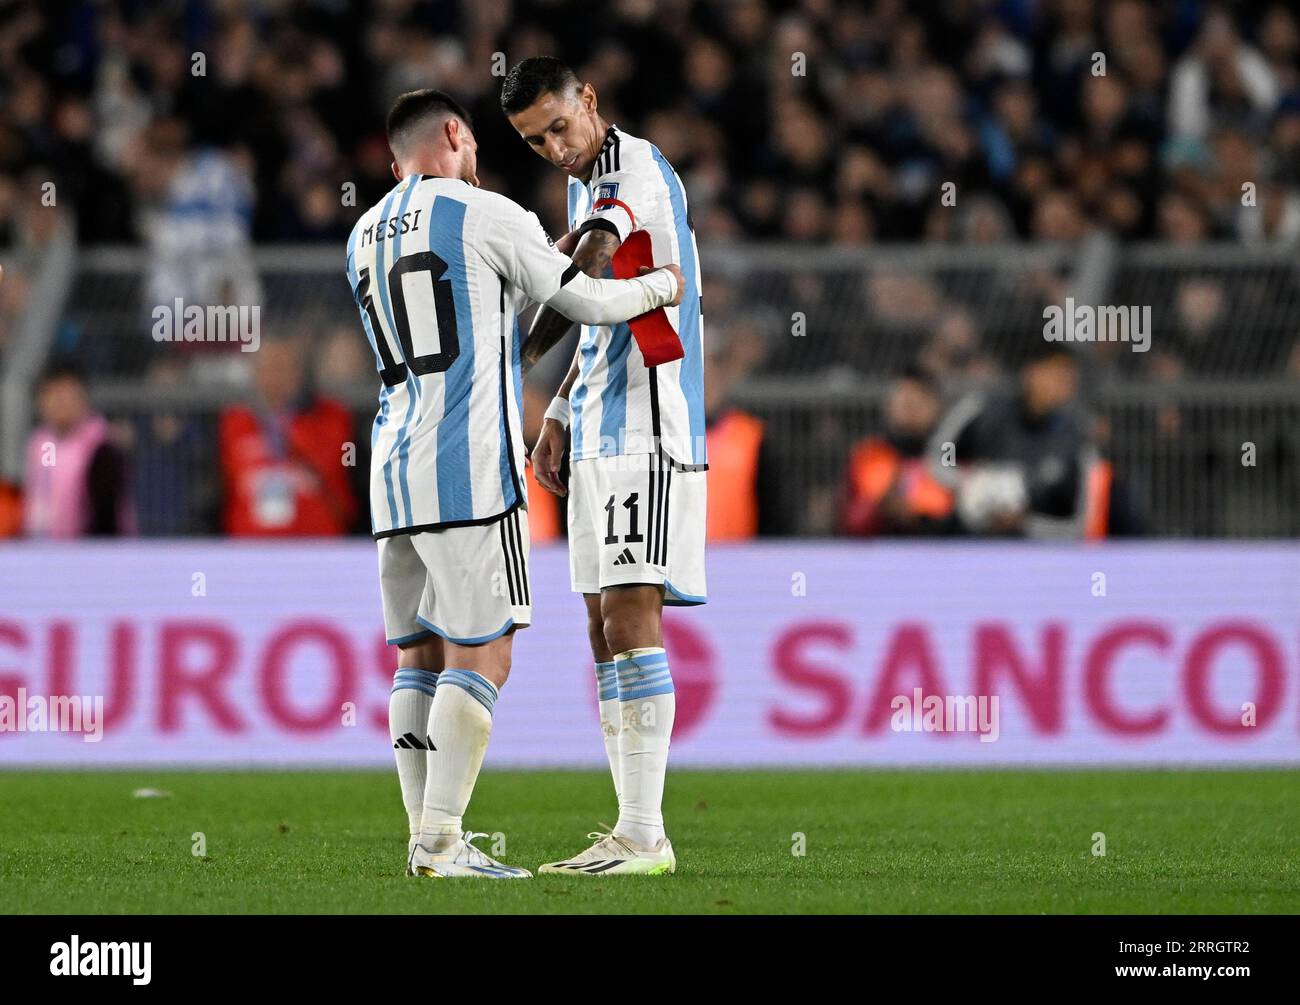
(410, 851)
(613, 855)
(461, 860)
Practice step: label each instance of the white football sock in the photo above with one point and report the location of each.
(610, 717)
(408, 726)
(460, 723)
(648, 705)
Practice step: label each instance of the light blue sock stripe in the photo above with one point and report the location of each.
(413, 687)
(641, 664)
(414, 679)
(641, 685)
(643, 676)
(428, 676)
(636, 694)
(478, 686)
(645, 668)
(649, 675)
(607, 680)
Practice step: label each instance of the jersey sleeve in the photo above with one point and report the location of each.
(613, 301)
(517, 247)
(621, 200)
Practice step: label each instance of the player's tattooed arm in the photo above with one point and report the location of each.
(548, 328)
(594, 252)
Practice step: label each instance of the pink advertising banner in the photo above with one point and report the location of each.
(808, 653)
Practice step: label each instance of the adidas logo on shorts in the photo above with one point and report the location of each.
(625, 558)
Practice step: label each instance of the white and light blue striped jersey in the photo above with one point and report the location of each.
(621, 406)
(440, 270)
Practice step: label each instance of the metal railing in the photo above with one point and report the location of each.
(1196, 459)
(1228, 316)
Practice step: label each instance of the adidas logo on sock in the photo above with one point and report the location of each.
(625, 558)
(409, 741)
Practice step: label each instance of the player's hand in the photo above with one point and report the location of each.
(548, 455)
(681, 280)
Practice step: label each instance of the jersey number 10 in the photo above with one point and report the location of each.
(396, 359)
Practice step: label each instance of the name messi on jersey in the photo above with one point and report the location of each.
(387, 229)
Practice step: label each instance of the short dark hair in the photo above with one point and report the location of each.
(529, 79)
(915, 373)
(411, 109)
(1044, 352)
(60, 369)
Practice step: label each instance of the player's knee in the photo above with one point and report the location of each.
(596, 636)
(490, 660)
(495, 673)
(496, 667)
(426, 654)
(596, 628)
(628, 627)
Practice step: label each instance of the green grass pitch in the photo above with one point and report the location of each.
(874, 841)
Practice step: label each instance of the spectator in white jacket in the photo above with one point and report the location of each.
(1219, 79)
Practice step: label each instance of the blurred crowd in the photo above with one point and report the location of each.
(197, 130)
(290, 461)
(810, 120)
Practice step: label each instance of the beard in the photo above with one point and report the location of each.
(469, 169)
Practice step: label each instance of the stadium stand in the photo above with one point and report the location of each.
(877, 186)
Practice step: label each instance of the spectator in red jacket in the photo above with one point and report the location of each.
(285, 455)
(890, 488)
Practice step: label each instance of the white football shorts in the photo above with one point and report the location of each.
(467, 584)
(637, 518)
